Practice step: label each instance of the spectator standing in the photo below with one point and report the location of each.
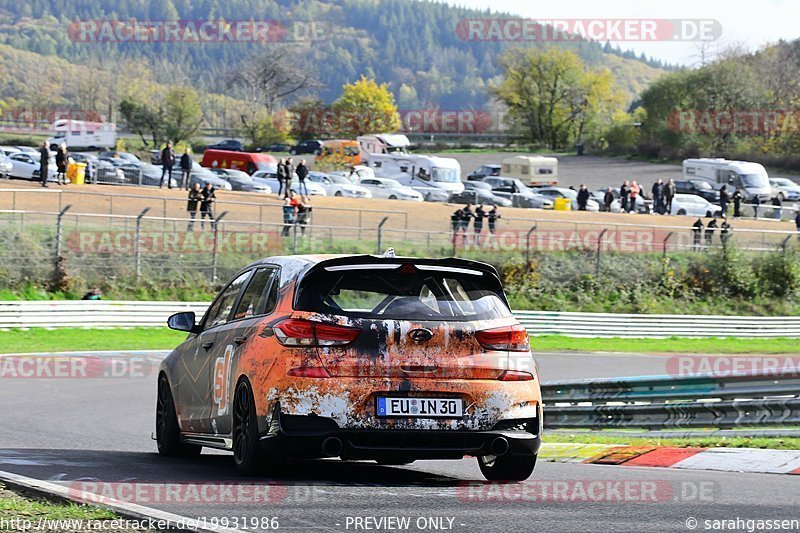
(207, 205)
(62, 159)
(725, 231)
(608, 199)
(669, 194)
(583, 197)
(455, 220)
(756, 201)
(167, 162)
(633, 193)
(44, 161)
(281, 175)
(186, 169)
(303, 213)
(302, 172)
(658, 196)
(195, 196)
(477, 226)
(494, 215)
(737, 203)
(623, 196)
(724, 199)
(710, 228)
(288, 172)
(776, 207)
(288, 215)
(697, 233)
(466, 215)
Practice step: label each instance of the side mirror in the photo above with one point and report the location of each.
(184, 321)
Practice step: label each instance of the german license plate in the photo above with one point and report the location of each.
(420, 407)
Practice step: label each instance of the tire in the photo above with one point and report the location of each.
(317, 151)
(338, 193)
(168, 435)
(507, 467)
(681, 212)
(250, 459)
(709, 214)
(293, 151)
(428, 197)
(393, 197)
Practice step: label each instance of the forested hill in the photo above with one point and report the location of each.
(412, 45)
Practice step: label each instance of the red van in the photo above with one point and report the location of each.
(245, 161)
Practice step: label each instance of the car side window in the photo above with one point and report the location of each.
(220, 311)
(255, 297)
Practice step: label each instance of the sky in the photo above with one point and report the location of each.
(747, 24)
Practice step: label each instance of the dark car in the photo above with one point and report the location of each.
(698, 187)
(275, 147)
(390, 359)
(306, 147)
(232, 145)
(477, 192)
(484, 171)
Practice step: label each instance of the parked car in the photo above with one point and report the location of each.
(306, 147)
(27, 149)
(561, 192)
(358, 357)
(700, 188)
(270, 177)
(8, 150)
(599, 196)
(116, 154)
(203, 175)
(338, 185)
(232, 145)
(477, 192)
(146, 174)
(6, 166)
(275, 147)
(98, 171)
(693, 205)
(520, 194)
(248, 162)
(26, 165)
(242, 181)
(484, 171)
(391, 189)
(115, 161)
(786, 189)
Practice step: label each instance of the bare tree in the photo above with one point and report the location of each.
(269, 77)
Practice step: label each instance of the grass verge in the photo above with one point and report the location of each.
(772, 443)
(69, 339)
(15, 505)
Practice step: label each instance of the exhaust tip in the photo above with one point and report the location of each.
(332, 447)
(499, 446)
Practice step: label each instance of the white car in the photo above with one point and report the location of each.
(242, 181)
(25, 165)
(271, 178)
(693, 205)
(786, 189)
(8, 150)
(391, 189)
(336, 185)
(561, 192)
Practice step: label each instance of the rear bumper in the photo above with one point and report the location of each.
(302, 436)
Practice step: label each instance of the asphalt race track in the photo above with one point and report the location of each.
(95, 432)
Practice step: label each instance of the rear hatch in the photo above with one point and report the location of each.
(409, 319)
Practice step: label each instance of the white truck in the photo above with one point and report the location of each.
(79, 134)
(751, 178)
(533, 170)
(383, 143)
(436, 178)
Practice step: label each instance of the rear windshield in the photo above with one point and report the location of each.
(403, 293)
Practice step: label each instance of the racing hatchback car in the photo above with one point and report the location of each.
(358, 357)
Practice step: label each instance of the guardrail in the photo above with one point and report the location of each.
(108, 313)
(666, 402)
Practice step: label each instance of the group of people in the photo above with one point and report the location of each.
(296, 212)
(202, 198)
(62, 161)
(460, 219)
(698, 231)
(168, 162)
(286, 171)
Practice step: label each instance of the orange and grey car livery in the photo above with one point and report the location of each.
(392, 359)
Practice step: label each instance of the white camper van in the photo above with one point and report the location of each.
(436, 178)
(383, 143)
(533, 170)
(750, 178)
(83, 135)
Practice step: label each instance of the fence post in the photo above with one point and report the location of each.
(528, 243)
(784, 243)
(599, 246)
(164, 209)
(137, 244)
(59, 231)
(664, 244)
(294, 237)
(380, 234)
(215, 224)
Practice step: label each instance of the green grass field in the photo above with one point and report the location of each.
(70, 339)
(16, 506)
(773, 443)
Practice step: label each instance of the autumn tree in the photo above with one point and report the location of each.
(365, 107)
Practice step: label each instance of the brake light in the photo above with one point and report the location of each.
(511, 338)
(515, 375)
(309, 372)
(298, 332)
